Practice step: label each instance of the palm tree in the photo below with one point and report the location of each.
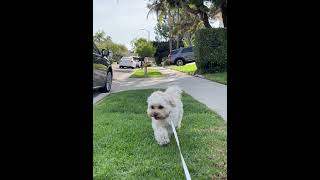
(184, 16)
(187, 26)
(163, 10)
(195, 7)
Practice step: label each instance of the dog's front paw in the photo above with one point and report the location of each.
(161, 135)
(163, 141)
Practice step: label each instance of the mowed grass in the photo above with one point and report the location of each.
(124, 145)
(188, 68)
(217, 77)
(220, 77)
(152, 73)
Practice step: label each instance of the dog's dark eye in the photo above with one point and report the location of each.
(160, 107)
(152, 107)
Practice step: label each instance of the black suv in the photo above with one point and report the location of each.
(102, 69)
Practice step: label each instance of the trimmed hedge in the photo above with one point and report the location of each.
(210, 50)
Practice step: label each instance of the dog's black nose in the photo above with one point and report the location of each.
(155, 114)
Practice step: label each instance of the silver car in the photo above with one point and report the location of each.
(181, 56)
(102, 69)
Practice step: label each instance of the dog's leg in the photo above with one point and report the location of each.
(169, 129)
(161, 136)
(180, 119)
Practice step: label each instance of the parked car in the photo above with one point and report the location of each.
(181, 56)
(128, 62)
(102, 69)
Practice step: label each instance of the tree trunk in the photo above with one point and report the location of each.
(178, 23)
(142, 62)
(145, 71)
(177, 42)
(189, 39)
(178, 16)
(205, 19)
(224, 13)
(145, 67)
(170, 44)
(170, 30)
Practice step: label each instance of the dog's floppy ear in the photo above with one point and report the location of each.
(171, 101)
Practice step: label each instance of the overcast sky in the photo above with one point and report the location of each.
(122, 19)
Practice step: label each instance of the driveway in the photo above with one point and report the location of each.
(212, 94)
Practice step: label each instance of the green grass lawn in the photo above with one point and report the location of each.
(188, 68)
(191, 69)
(124, 146)
(152, 73)
(217, 77)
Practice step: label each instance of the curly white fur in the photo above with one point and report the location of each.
(164, 107)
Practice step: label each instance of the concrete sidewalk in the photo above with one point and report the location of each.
(212, 94)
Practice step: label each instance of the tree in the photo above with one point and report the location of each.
(186, 26)
(162, 31)
(100, 36)
(104, 42)
(194, 7)
(162, 8)
(144, 49)
(118, 50)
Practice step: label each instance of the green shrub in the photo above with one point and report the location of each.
(210, 50)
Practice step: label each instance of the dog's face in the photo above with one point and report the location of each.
(160, 105)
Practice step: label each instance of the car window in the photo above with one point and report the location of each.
(189, 49)
(175, 51)
(126, 59)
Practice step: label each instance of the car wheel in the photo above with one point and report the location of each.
(179, 62)
(107, 85)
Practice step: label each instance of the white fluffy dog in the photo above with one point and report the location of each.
(164, 107)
